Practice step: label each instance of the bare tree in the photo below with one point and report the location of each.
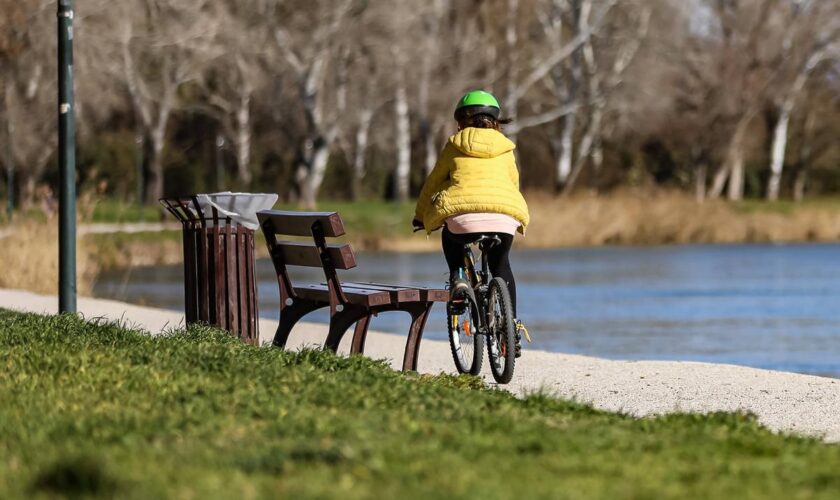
(158, 49)
(745, 75)
(811, 30)
(601, 83)
(234, 76)
(521, 80)
(308, 52)
(27, 100)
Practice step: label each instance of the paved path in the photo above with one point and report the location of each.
(781, 400)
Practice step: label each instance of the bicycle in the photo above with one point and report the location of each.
(490, 316)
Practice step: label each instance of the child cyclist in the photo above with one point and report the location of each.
(474, 190)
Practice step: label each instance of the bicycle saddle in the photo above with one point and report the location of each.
(486, 242)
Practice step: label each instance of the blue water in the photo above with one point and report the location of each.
(768, 306)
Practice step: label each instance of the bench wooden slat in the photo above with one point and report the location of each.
(434, 295)
(292, 223)
(426, 294)
(295, 253)
(367, 298)
(398, 293)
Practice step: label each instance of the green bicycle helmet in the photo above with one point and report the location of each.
(477, 102)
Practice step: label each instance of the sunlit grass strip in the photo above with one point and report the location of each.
(94, 408)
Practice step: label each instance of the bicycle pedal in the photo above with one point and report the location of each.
(521, 327)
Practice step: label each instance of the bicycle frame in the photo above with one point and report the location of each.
(479, 280)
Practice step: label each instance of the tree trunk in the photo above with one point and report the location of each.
(564, 161)
(736, 176)
(403, 170)
(27, 190)
(799, 184)
(360, 158)
(719, 181)
(567, 133)
(733, 168)
(154, 177)
(431, 150)
(700, 173)
(9, 153)
(243, 140)
(511, 36)
(585, 149)
(316, 178)
(780, 134)
(597, 152)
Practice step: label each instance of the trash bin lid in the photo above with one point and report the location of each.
(240, 207)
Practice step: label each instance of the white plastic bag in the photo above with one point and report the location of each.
(242, 208)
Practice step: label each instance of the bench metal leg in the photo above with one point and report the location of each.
(290, 315)
(419, 314)
(343, 320)
(360, 334)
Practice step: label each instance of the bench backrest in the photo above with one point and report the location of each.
(318, 225)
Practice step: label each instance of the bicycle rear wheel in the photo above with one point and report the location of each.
(501, 334)
(467, 346)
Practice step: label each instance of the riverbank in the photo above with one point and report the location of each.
(781, 401)
(622, 218)
(117, 237)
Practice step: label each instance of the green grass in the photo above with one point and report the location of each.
(366, 224)
(371, 218)
(138, 237)
(118, 211)
(364, 217)
(93, 409)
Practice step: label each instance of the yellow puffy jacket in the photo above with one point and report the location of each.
(475, 173)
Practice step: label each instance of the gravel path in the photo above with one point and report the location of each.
(782, 401)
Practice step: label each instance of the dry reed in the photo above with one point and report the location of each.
(29, 256)
(652, 218)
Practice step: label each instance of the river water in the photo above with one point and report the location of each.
(767, 306)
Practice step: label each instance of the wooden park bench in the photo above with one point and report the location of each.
(349, 303)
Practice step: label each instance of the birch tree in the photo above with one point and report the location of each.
(432, 24)
(566, 25)
(308, 53)
(810, 39)
(742, 28)
(520, 80)
(160, 47)
(237, 72)
(402, 172)
(602, 82)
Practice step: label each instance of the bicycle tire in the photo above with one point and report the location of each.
(501, 333)
(467, 349)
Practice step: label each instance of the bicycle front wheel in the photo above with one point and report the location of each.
(501, 334)
(467, 346)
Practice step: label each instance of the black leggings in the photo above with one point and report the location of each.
(497, 258)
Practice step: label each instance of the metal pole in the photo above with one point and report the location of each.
(66, 162)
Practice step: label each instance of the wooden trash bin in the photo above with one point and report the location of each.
(219, 283)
